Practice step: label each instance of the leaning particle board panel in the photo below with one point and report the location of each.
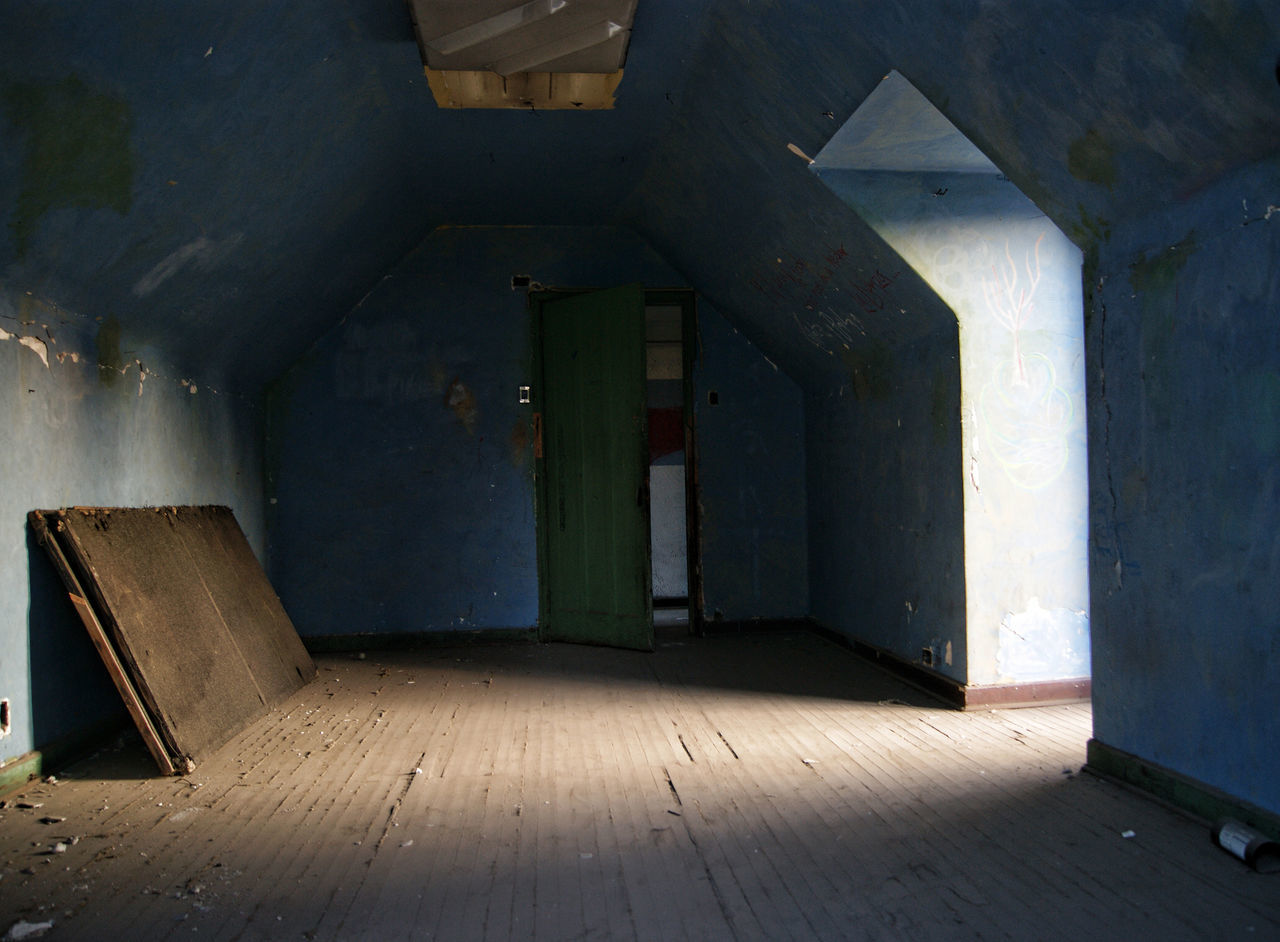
(187, 612)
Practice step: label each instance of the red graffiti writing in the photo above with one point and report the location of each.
(811, 279)
(872, 294)
(800, 275)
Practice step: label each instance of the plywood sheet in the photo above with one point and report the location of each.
(187, 611)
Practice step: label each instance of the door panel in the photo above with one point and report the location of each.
(595, 511)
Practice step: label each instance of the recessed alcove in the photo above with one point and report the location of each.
(1012, 279)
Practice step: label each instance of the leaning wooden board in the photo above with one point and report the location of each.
(176, 599)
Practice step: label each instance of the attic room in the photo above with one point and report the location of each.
(950, 401)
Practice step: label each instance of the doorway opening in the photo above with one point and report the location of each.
(669, 319)
(613, 469)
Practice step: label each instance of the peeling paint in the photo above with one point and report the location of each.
(110, 362)
(34, 344)
(1043, 644)
(109, 372)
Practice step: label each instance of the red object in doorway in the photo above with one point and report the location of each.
(666, 432)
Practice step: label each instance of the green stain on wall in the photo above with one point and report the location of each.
(1157, 273)
(77, 151)
(1090, 159)
(110, 360)
(870, 371)
(1089, 234)
(1154, 279)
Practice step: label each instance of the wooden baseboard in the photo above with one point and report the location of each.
(1041, 693)
(960, 695)
(55, 756)
(399, 641)
(946, 689)
(18, 771)
(1186, 794)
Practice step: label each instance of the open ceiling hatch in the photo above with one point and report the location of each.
(540, 54)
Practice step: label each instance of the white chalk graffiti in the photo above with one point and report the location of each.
(1026, 416)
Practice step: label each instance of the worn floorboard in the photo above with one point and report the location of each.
(768, 786)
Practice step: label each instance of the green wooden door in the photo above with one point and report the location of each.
(594, 515)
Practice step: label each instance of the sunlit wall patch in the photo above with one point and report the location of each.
(1013, 281)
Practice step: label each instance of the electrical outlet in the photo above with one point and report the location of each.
(926, 657)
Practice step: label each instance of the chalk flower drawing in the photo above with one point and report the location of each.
(1025, 414)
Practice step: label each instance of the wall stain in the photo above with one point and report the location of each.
(1091, 159)
(110, 360)
(1154, 278)
(77, 151)
(519, 441)
(462, 402)
(1157, 273)
(870, 369)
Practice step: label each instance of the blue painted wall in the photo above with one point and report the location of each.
(751, 478)
(240, 185)
(1184, 421)
(88, 418)
(886, 529)
(1013, 281)
(400, 462)
(230, 195)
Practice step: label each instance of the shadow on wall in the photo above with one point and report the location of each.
(1013, 281)
(72, 696)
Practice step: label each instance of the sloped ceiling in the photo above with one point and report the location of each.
(227, 180)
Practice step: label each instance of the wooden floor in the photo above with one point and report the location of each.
(758, 787)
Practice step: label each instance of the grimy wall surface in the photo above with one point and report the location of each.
(1147, 134)
(1184, 423)
(86, 419)
(400, 463)
(230, 197)
(751, 474)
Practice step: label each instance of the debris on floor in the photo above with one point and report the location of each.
(27, 930)
(1252, 846)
